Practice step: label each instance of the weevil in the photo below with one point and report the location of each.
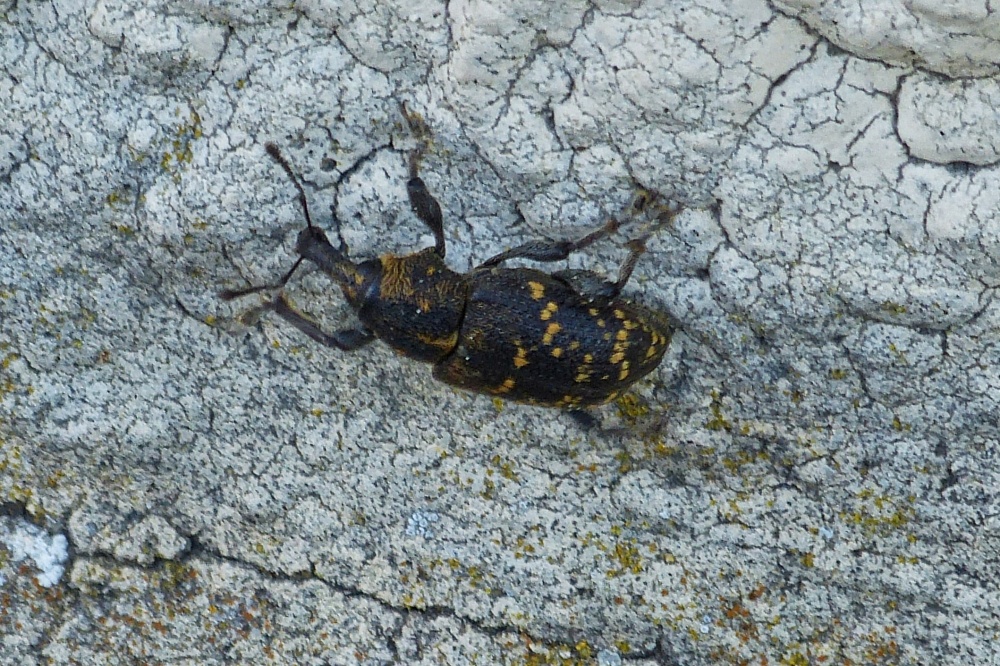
(562, 339)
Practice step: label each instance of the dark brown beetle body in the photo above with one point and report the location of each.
(563, 339)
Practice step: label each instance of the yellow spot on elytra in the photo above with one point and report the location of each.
(573, 346)
(588, 358)
(593, 312)
(550, 309)
(557, 352)
(619, 314)
(617, 358)
(431, 270)
(607, 336)
(651, 352)
(629, 324)
(521, 359)
(446, 343)
(600, 322)
(622, 375)
(507, 385)
(537, 290)
(550, 332)
(621, 335)
(581, 377)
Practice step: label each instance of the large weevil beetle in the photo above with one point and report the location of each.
(563, 339)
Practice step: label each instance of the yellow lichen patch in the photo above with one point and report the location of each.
(521, 359)
(550, 309)
(537, 290)
(550, 332)
(557, 352)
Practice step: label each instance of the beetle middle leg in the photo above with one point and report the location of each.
(551, 250)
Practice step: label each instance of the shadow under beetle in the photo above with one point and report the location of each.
(563, 339)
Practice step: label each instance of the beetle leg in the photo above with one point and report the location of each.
(636, 247)
(594, 286)
(551, 250)
(422, 202)
(347, 339)
(426, 207)
(588, 283)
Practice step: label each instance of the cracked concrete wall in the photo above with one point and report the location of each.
(810, 477)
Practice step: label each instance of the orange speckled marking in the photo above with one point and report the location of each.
(506, 387)
(395, 281)
(550, 333)
(446, 343)
(521, 359)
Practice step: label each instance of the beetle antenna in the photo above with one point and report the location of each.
(275, 153)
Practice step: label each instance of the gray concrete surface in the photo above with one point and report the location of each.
(811, 477)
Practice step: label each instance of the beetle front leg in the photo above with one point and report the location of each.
(422, 202)
(426, 207)
(347, 339)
